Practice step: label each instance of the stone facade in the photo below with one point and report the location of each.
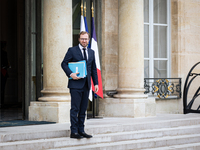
(184, 52)
(122, 58)
(128, 75)
(185, 36)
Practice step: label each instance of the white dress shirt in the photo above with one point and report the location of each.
(81, 48)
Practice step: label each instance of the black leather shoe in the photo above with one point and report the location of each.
(85, 135)
(76, 136)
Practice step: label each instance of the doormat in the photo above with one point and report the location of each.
(22, 123)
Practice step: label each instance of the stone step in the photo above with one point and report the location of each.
(178, 141)
(104, 138)
(122, 127)
(94, 127)
(192, 146)
(33, 132)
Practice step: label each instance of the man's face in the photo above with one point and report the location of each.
(83, 40)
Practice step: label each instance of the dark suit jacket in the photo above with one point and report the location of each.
(73, 55)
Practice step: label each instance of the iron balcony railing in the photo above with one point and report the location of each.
(163, 88)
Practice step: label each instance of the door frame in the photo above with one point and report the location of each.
(27, 57)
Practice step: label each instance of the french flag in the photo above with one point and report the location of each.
(82, 24)
(94, 46)
(86, 29)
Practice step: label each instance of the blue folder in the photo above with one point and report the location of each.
(80, 67)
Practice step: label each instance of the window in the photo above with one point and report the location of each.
(156, 38)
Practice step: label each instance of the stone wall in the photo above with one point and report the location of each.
(185, 41)
(185, 37)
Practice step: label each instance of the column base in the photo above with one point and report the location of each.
(117, 107)
(50, 111)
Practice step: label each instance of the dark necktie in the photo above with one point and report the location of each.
(84, 54)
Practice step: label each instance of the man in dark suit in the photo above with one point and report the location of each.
(79, 87)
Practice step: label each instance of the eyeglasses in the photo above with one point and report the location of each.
(82, 39)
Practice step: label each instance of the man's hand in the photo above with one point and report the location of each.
(74, 76)
(96, 88)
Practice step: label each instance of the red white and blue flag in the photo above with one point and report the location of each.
(84, 27)
(94, 46)
(82, 24)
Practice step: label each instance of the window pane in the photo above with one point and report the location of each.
(160, 11)
(160, 42)
(146, 69)
(160, 68)
(146, 41)
(146, 10)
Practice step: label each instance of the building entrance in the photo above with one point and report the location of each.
(12, 59)
(21, 33)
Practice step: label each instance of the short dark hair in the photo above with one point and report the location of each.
(84, 32)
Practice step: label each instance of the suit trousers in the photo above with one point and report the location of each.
(79, 102)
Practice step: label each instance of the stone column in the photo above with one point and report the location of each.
(131, 47)
(130, 100)
(57, 38)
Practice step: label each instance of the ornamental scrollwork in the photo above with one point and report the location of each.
(163, 88)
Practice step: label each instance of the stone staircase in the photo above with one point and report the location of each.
(164, 132)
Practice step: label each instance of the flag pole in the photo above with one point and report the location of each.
(93, 101)
(85, 9)
(94, 43)
(82, 8)
(93, 105)
(92, 10)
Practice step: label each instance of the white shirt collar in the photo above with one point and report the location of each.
(81, 47)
